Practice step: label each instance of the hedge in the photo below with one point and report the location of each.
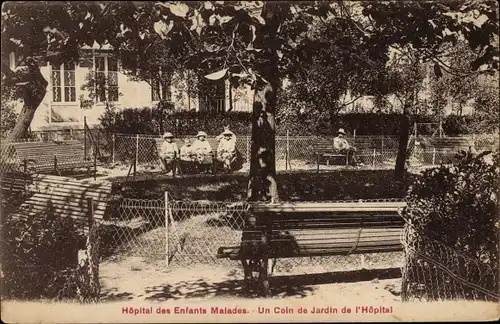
(155, 120)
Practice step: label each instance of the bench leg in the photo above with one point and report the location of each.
(264, 279)
(247, 273)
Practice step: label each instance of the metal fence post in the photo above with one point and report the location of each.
(113, 149)
(166, 229)
(287, 153)
(85, 137)
(434, 156)
(95, 165)
(97, 146)
(248, 149)
(136, 150)
(90, 212)
(373, 161)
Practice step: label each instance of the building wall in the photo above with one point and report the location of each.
(51, 115)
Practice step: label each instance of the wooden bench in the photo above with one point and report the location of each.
(81, 200)
(437, 150)
(325, 153)
(314, 229)
(51, 157)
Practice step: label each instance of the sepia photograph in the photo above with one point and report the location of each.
(249, 161)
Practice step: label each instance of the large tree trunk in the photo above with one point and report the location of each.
(262, 183)
(403, 145)
(33, 92)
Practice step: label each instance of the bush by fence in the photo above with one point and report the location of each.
(155, 120)
(456, 208)
(40, 260)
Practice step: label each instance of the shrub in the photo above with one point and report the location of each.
(458, 206)
(39, 256)
(8, 115)
(163, 118)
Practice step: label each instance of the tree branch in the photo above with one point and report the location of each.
(350, 102)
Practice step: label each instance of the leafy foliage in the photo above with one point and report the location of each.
(337, 61)
(151, 120)
(38, 256)
(459, 85)
(427, 26)
(458, 206)
(486, 105)
(8, 115)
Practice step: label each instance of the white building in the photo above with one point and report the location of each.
(63, 105)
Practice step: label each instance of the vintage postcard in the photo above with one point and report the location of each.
(249, 161)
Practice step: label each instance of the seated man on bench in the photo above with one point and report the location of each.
(341, 146)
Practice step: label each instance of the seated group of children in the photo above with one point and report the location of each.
(198, 157)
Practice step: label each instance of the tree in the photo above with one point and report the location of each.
(429, 28)
(337, 62)
(8, 115)
(246, 42)
(405, 81)
(457, 85)
(257, 43)
(486, 105)
(41, 31)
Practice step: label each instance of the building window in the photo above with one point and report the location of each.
(63, 82)
(106, 78)
(160, 85)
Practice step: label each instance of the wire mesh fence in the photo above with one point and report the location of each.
(297, 152)
(434, 271)
(184, 233)
(293, 153)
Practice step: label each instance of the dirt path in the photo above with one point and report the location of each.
(137, 279)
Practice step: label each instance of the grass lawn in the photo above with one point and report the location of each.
(293, 186)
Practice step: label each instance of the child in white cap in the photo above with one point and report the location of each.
(226, 151)
(168, 151)
(203, 151)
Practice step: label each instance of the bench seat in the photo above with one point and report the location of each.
(65, 197)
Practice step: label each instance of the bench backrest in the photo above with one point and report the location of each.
(453, 143)
(324, 144)
(180, 142)
(333, 214)
(65, 197)
(315, 229)
(45, 151)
